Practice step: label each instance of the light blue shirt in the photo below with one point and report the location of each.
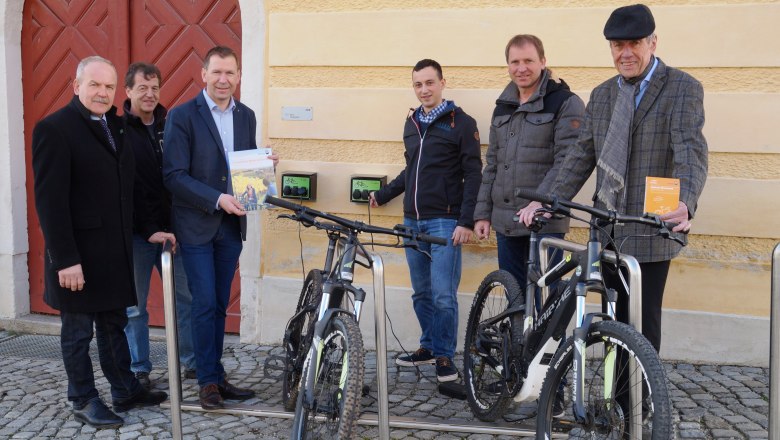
(643, 84)
(224, 123)
(223, 120)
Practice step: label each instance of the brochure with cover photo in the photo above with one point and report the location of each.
(252, 174)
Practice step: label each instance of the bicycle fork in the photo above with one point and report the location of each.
(592, 282)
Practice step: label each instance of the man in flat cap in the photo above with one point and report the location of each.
(646, 121)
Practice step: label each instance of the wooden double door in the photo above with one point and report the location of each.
(173, 34)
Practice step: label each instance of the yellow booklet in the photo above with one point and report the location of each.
(662, 194)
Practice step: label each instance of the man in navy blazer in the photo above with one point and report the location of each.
(208, 220)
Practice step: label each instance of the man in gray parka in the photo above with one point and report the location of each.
(536, 120)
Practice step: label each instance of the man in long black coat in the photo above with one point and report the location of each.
(84, 197)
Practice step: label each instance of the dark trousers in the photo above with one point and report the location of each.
(653, 283)
(210, 269)
(513, 257)
(75, 336)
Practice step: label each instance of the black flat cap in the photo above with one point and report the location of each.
(629, 23)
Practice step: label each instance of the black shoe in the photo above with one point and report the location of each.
(144, 398)
(422, 356)
(143, 378)
(445, 371)
(228, 391)
(96, 414)
(190, 373)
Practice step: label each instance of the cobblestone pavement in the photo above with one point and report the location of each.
(711, 401)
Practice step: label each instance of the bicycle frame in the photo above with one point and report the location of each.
(341, 258)
(544, 327)
(339, 275)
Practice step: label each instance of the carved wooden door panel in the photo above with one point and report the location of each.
(173, 34)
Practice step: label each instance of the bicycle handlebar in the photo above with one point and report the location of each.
(562, 206)
(303, 213)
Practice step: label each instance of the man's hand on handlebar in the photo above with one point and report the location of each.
(526, 215)
(679, 216)
(461, 235)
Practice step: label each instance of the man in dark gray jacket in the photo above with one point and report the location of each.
(535, 121)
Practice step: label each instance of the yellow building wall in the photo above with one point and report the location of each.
(351, 62)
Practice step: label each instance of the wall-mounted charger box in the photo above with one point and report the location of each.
(299, 185)
(360, 186)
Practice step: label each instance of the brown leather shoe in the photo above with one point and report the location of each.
(228, 391)
(210, 398)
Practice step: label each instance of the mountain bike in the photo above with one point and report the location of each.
(323, 344)
(605, 381)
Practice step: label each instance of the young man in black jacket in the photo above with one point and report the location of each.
(440, 182)
(145, 119)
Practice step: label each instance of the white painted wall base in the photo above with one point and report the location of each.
(687, 336)
(715, 338)
(14, 285)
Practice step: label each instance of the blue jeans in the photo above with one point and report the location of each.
(75, 336)
(146, 256)
(210, 268)
(435, 283)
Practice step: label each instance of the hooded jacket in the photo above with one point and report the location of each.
(443, 168)
(528, 143)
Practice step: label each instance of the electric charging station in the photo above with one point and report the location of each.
(299, 185)
(360, 186)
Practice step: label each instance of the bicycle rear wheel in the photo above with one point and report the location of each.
(297, 337)
(487, 346)
(336, 391)
(607, 390)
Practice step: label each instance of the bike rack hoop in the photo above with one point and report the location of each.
(774, 339)
(171, 338)
(627, 261)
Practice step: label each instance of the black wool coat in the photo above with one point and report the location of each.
(84, 197)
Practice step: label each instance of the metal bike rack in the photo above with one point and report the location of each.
(172, 339)
(381, 420)
(774, 339)
(635, 306)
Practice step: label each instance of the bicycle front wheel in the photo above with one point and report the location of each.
(297, 337)
(618, 360)
(489, 345)
(336, 392)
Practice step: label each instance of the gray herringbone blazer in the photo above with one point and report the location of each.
(666, 141)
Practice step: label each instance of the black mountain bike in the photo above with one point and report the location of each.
(323, 375)
(605, 381)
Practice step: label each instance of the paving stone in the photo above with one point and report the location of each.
(709, 401)
(725, 434)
